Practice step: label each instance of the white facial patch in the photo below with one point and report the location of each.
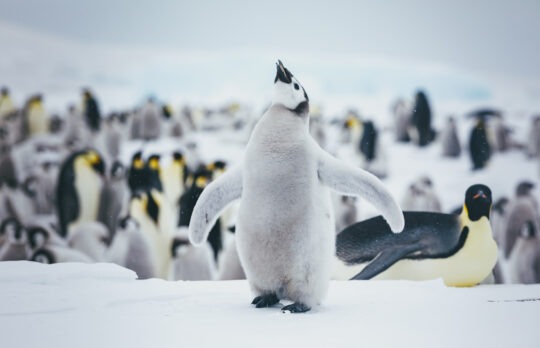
(289, 94)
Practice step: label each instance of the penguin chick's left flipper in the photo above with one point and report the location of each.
(348, 180)
(296, 307)
(211, 203)
(384, 260)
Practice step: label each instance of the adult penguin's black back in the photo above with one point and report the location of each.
(369, 141)
(68, 202)
(93, 116)
(199, 179)
(479, 147)
(66, 194)
(421, 118)
(458, 248)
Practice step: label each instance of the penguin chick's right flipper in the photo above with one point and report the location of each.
(384, 260)
(211, 203)
(349, 180)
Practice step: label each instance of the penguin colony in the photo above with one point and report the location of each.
(87, 186)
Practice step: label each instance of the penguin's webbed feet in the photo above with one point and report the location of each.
(265, 301)
(296, 307)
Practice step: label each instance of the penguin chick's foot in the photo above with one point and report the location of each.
(265, 301)
(296, 307)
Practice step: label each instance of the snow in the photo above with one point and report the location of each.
(103, 305)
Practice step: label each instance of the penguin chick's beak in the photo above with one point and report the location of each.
(282, 73)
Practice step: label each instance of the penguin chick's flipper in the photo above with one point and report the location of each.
(211, 203)
(296, 307)
(384, 260)
(348, 180)
(265, 301)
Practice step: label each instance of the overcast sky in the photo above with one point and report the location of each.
(486, 36)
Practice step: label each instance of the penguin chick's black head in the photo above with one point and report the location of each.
(289, 92)
(282, 73)
(524, 188)
(43, 256)
(478, 201)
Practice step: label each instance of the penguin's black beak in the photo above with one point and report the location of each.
(282, 73)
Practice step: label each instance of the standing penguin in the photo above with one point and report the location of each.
(420, 196)
(191, 262)
(78, 189)
(421, 120)
(479, 146)
(402, 116)
(285, 229)
(173, 178)
(154, 217)
(137, 176)
(15, 242)
(522, 210)
(37, 119)
(91, 111)
(198, 182)
(153, 173)
(6, 104)
(451, 146)
(459, 249)
(131, 248)
(114, 196)
(533, 146)
(345, 211)
(150, 121)
(524, 261)
(499, 216)
(368, 142)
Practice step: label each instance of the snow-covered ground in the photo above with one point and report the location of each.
(103, 305)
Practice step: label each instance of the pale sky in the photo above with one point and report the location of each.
(487, 36)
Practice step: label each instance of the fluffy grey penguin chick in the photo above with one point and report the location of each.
(285, 230)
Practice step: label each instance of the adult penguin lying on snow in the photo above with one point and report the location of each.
(459, 249)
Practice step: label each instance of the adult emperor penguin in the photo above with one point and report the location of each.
(459, 249)
(137, 173)
(153, 173)
(199, 181)
(173, 177)
(152, 213)
(37, 119)
(479, 146)
(79, 188)
(6, 104)
(285, 229)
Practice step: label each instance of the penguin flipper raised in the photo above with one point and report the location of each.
(350, 180)
(383, 261)
(212, 202)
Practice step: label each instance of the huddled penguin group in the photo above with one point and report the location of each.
(139, 188)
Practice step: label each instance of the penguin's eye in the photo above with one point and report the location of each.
(296, 86)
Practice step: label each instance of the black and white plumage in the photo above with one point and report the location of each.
(284, 231)
(91, 111)
(137, 173)
(458, 249)
(423, 134)
(79, 188)
(479, 145)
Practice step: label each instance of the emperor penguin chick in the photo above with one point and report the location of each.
(285, 231)
(524, 261)
(191, 262)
